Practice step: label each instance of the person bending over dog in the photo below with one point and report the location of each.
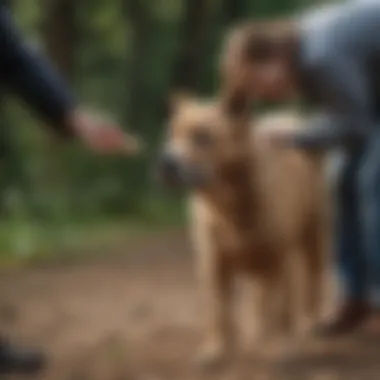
(329, 57)
(27, 75)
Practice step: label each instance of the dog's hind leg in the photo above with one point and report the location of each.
(289, 291)
(273, 315)
(316, 251)
(266, 290)
(290, 303)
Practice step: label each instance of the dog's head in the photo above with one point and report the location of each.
(203, 139)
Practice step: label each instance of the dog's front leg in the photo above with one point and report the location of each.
(215, 291)
(214, 281)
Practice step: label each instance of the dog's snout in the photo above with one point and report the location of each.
(168, 165)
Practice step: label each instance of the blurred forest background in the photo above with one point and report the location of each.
(123, 57)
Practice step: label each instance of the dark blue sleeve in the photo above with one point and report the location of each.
(31, 78)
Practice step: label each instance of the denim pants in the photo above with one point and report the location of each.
(358, 221)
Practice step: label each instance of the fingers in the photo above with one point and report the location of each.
(117, 145)
(264, 136)
(103, 136)
(273, 138)
(112, 140)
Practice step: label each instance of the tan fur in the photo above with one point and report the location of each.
(261, 216)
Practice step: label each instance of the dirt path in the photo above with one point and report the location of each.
(136, 318)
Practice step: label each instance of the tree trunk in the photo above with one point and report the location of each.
(233, 11)
(137, 15)
(60, 32)
(188, 66)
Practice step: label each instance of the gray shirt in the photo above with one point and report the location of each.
(339, 68)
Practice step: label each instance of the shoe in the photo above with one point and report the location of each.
(16, 360)
(351, 316)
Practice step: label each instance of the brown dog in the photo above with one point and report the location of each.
(255, 210)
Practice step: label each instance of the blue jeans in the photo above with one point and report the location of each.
(358, 221)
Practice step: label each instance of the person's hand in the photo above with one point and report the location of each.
(277, 138)
(102, 136)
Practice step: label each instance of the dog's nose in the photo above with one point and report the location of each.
(168, 166)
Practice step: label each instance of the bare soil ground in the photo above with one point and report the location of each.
(135, 317)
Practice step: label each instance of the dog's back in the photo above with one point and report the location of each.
(292, 181)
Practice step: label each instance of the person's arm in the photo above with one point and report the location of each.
(347, 117)
(34, 80)
(31, 78)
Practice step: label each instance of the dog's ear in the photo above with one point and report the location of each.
(174, 101)
(235, 103)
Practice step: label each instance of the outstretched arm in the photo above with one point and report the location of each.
(31, 78)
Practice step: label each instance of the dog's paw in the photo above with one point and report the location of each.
(283, 349)
(304, 329)
(211, 357)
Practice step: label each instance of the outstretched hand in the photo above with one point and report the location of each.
(278, 138)
(103, 136)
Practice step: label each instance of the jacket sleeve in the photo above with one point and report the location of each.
(345, 94)
(31, 78)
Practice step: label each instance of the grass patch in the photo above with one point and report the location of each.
(24, 241)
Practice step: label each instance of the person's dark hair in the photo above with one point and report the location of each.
(265, 40)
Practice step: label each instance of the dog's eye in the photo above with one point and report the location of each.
(201, 138)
